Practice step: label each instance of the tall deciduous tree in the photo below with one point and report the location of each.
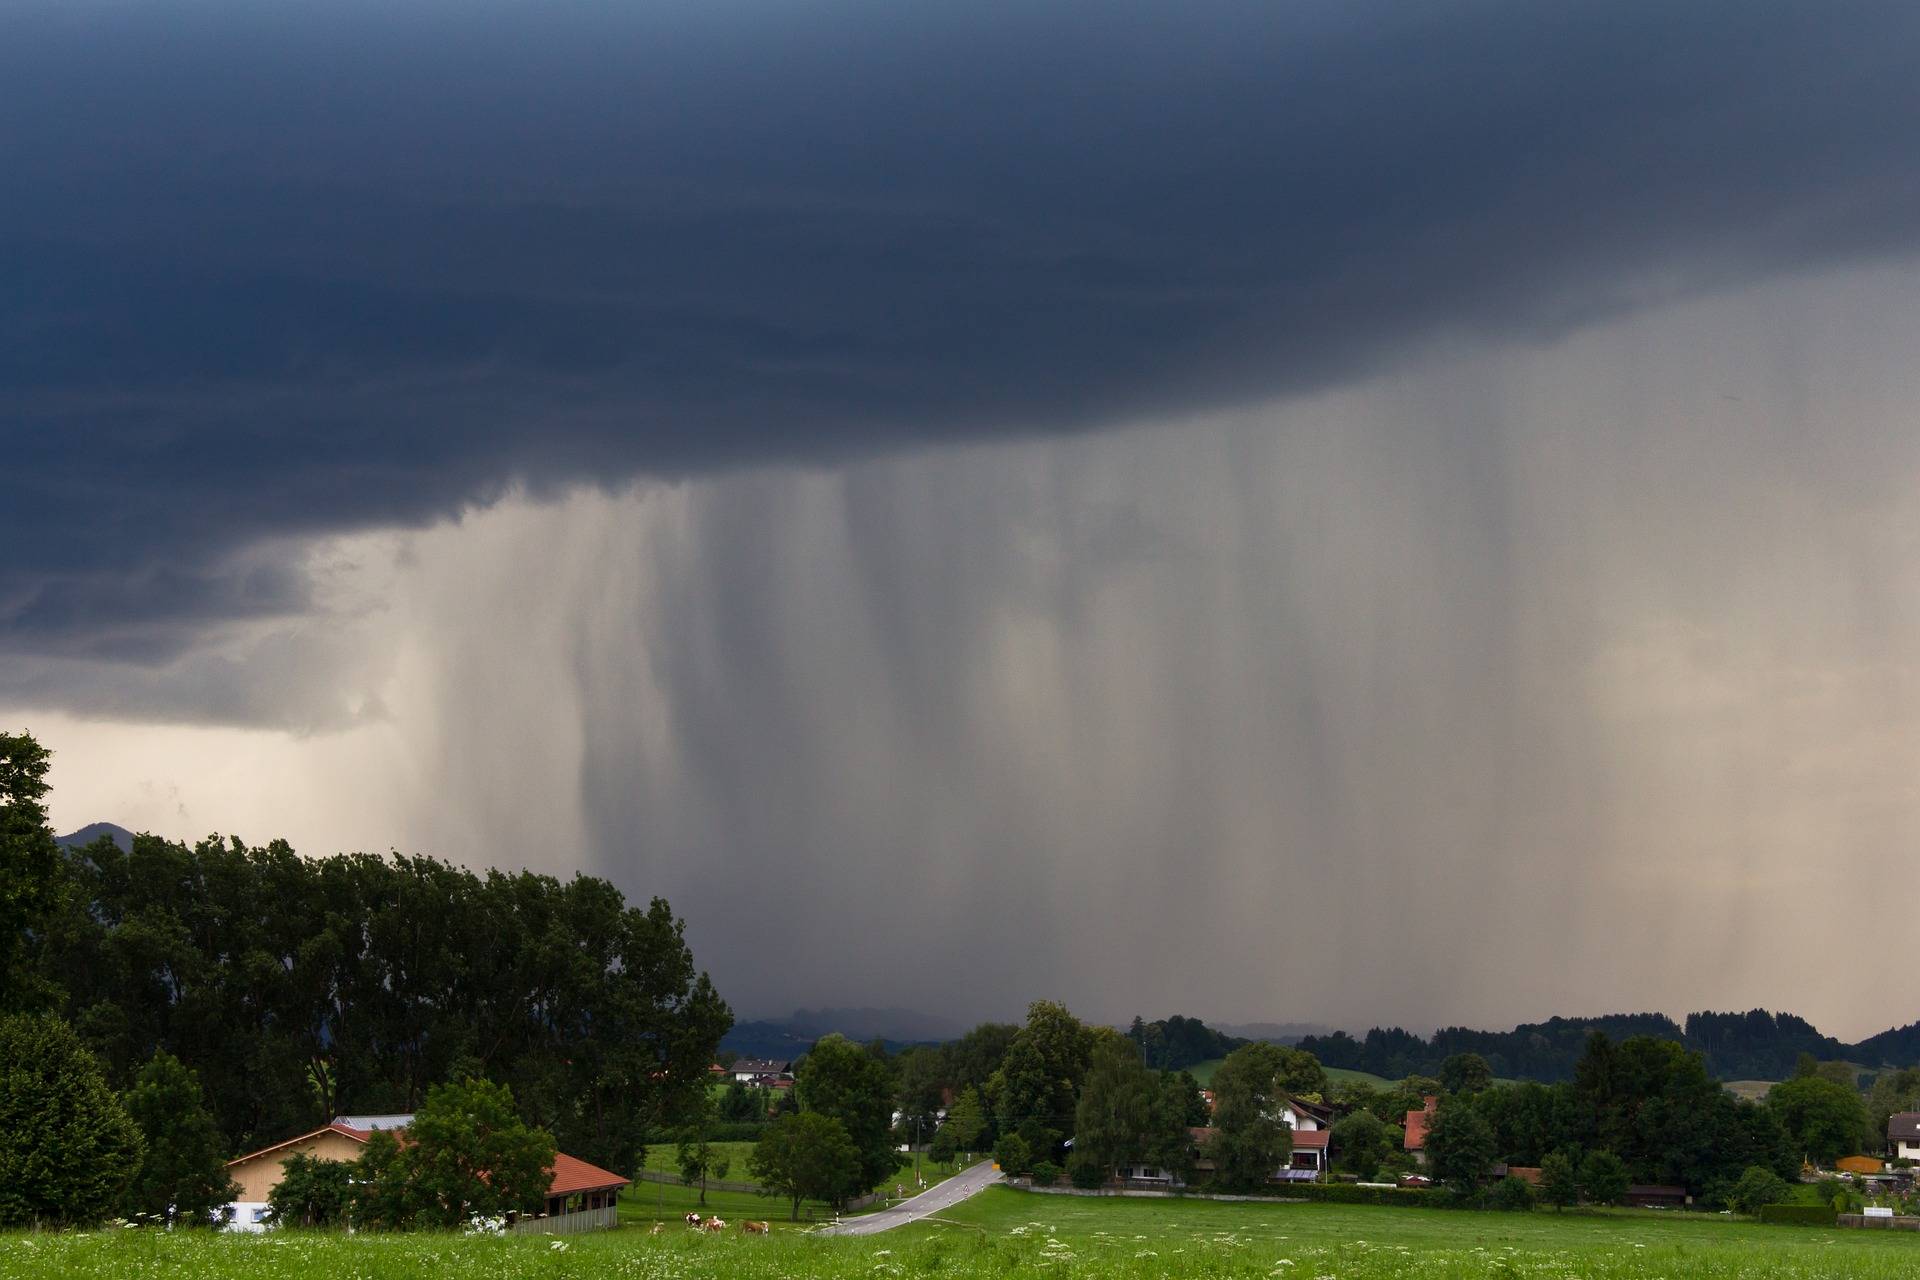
(30, 874)
(182, 1175)
(67, 1146)
(966, 1120)
(1360, 1143)
(806, 1157)
(1250, 1142)
(697, 1157)
(1465, 1073)
(1118, 1104)
(845, 1082)
(1559, 1180)
(1603, 1177)
(1825, 1120)
(1460, 1145)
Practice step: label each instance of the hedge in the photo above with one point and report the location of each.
(1799, 1215)
(719, 1131)
(1345, 1193)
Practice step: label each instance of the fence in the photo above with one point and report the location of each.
(713, 1184)
(752, 1189)
(566, 1224)
(1883, 1224)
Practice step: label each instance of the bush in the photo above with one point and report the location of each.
(1339, 1193)
(468, 1154)
(1085, 1172)
(67, 1146)
(1012, 1154)
(183, 1176)
(1797, 1215)
(312, 1192)
(1603, 1178)
(1512, 1194)
(1045, 1174)
(1759, 1187)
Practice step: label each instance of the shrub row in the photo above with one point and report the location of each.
(1345, 1193)
(719, 1131)
(1798, 1215)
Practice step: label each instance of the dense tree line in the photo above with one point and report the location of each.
(1736, 1046)
(295, 988)
(1176, 1043)
(1647, 1102)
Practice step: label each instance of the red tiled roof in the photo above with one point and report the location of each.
(1310, 1139)
(1525, 1172)
(571, 1174)
(1417, 1121)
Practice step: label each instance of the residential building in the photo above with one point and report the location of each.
(1415, 1141)
(1312, 1154)
(764, 1073)
(1903, 1135)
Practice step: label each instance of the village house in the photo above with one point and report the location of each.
(762, 1073)
(1903, 1135)
(580, 1196)
(1311, 1159)
(1415, 1141)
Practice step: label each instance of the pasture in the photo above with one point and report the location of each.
(1004, 1232)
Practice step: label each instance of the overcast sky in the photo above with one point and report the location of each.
(1322, 511)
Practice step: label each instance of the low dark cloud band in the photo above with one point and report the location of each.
(272, 274)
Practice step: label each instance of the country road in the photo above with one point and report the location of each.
(960, 1186)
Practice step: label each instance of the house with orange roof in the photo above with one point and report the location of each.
(1415, 1141)
(580, 1196)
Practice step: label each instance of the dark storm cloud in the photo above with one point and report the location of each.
(270, 273)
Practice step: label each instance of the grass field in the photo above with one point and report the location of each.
(1003, 1233)
(1203, 1072)
(648, 1202)
(1751, 1090)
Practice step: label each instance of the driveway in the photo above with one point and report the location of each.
(960, 1186)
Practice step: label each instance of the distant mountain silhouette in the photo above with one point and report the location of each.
(93, 831)
(869, 1024)
(1275, 1032)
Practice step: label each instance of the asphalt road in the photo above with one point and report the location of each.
(960, 1186)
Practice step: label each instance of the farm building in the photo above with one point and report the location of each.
(580, 1196)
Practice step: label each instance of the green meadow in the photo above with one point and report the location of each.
(1004, 1232)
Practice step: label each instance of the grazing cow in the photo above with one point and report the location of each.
(716, 1224)
(755, 1228)
(693, 1219)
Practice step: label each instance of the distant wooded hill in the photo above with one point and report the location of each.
(1738, 1046)
(790, 1037)
(1757, 1045)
